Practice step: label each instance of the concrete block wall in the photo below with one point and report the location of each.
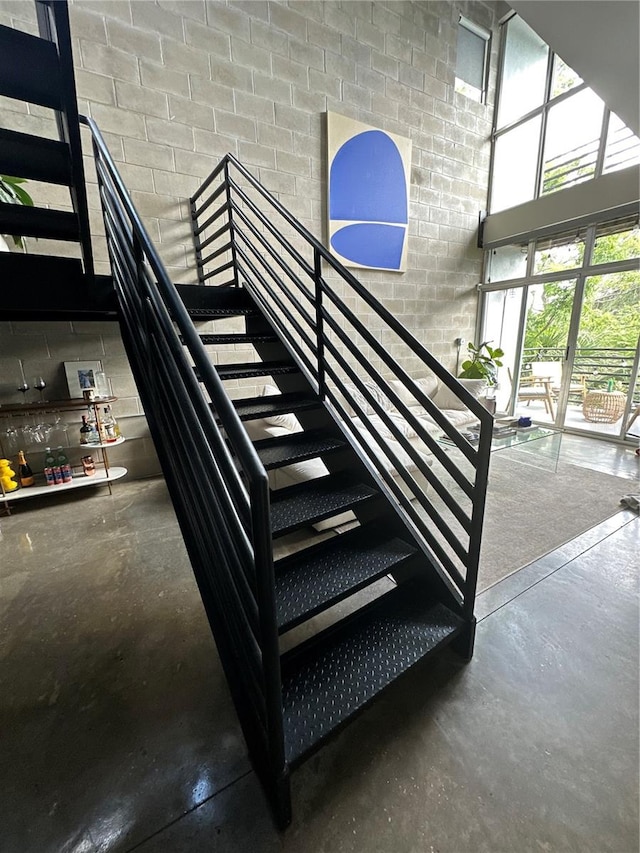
(175, 85)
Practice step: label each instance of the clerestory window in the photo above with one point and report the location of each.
(551, 131)
(472, 61)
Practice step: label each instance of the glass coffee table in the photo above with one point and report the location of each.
(535, 445)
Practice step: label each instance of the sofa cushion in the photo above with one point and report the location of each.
(286, 419)
(427, 384)
(362, 401)
(445, 398)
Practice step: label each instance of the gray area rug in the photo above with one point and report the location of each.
(530, 512)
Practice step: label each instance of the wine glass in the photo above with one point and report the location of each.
(40, 384)
(23, 387)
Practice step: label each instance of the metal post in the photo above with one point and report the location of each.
(317, 274)
(232, 235)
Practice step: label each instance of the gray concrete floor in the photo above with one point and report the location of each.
(117, 732)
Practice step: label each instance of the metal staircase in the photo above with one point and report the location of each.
(310, 634)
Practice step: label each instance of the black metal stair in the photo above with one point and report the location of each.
(38, 222)
(333, 675)
(29, 69)
(219, 340)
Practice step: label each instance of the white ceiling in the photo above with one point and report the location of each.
(600, 39)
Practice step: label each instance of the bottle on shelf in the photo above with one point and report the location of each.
(109, 425)
(93, 437)
(49, 457)
(25, 472)
(63, 463)
(86, 430)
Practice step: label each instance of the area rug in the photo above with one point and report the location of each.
(530, 512)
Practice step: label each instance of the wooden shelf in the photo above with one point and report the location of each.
(79, 481)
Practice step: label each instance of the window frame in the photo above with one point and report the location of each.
(543, 111)
(485, 35)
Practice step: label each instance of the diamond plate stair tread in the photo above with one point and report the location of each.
(278, 404)
(277, 452)
(336, 674)
(239, 338)
(315, 500)
(257, 368)
(208, 301)
(319, 577)
(221, 312)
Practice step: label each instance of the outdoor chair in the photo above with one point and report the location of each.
(536, 388)
(552, 370)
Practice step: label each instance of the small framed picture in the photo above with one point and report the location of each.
(81, 376)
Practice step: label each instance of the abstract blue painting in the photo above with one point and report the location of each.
(368, 201)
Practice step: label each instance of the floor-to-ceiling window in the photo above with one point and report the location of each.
(566, 312)
(563, 303)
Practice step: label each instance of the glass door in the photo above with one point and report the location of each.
(547, 322)
(605, 363)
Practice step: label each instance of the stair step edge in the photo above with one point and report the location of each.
(315, 500)
(315, 579)
(296, 447)
(333, 676)
(250, 408)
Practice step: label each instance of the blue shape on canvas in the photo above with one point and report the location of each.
(368, 192)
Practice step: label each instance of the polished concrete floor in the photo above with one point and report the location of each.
(117, 732)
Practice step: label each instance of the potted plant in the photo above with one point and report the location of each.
(11, 192)
(483, 363)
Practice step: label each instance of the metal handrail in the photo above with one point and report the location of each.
(217, 482)
(292, 291)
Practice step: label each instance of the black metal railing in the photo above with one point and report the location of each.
(361, 361)
(596, 365)
(579, 164)
(218, 484)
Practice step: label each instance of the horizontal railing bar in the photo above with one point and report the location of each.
(208, 181)
(225, 248)
(272, 252)
(418, 523)
(464, 521)
(222, 268)
(299, 259)
(280, 284)
(213, 237)
(224, 208)
(420, 396)
(215, 194)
